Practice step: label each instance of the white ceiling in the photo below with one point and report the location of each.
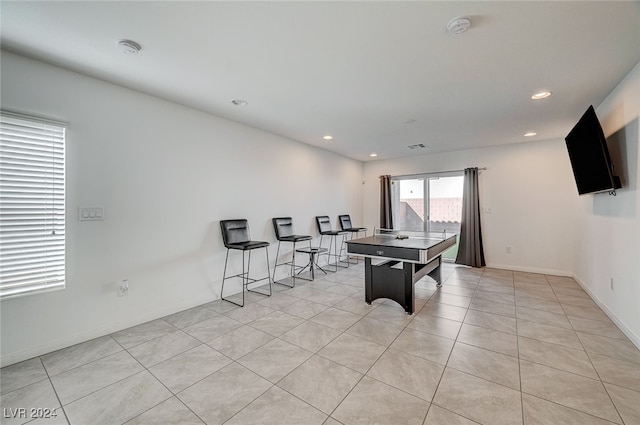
(356, 70)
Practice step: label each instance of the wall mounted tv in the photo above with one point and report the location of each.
(589, 156)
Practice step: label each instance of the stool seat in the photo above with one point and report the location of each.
(245, 246)
(312, 250)
(333, 232)
(295, 238)
(357, 229)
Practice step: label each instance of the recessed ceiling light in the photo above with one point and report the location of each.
(129, 47)
(373, 154)
(458, 25)
(239, 102)
(328, 137)
(530, 134)
(541, 95)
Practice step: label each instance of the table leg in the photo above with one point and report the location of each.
(435, 274)
(368, 285)
(409, 298)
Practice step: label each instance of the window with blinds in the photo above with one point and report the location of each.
(32, 205)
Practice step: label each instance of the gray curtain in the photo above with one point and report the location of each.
(470, 252)
(386, 215)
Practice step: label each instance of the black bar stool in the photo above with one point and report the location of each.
(353, 232)
(283, 227)
(324, 228)
(235, 235)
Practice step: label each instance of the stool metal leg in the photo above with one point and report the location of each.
(293, 264)
(348, 237)
(224, 275)
(337, 254)
(320, 245)
(328, 255)
(342, 247)
(333, 242)
(245, 278)
(268, 271)
(276, 266)
(257, 280)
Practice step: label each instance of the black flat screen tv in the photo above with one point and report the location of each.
(589, 156)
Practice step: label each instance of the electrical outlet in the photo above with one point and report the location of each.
(123, 290)
(507, 250)
(611, 284)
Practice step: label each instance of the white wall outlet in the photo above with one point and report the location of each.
(507, 249)
(123, 289)
(611, 284)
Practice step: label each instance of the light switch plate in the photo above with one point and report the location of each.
(91, 213)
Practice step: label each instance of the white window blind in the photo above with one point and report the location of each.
(32, 205)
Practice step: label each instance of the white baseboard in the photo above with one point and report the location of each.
(531, 270)
(68, 341)
(635, 339)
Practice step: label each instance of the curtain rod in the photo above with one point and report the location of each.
(436, 172)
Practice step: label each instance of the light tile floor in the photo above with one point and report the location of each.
(490, 346)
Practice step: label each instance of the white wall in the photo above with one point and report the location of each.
(529, 189)
(166, 175)
(609, 227)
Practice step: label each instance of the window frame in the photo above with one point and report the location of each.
(32, 205)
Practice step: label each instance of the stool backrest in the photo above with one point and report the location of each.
(324, 224)
(234, 231)
(283, 226)
(345, 222)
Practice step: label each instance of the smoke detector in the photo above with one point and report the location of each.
(458, 25)
(129, 47)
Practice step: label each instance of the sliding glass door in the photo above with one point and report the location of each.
(408, 202)
(428, 203)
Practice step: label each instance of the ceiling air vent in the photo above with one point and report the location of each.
(418, 146)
